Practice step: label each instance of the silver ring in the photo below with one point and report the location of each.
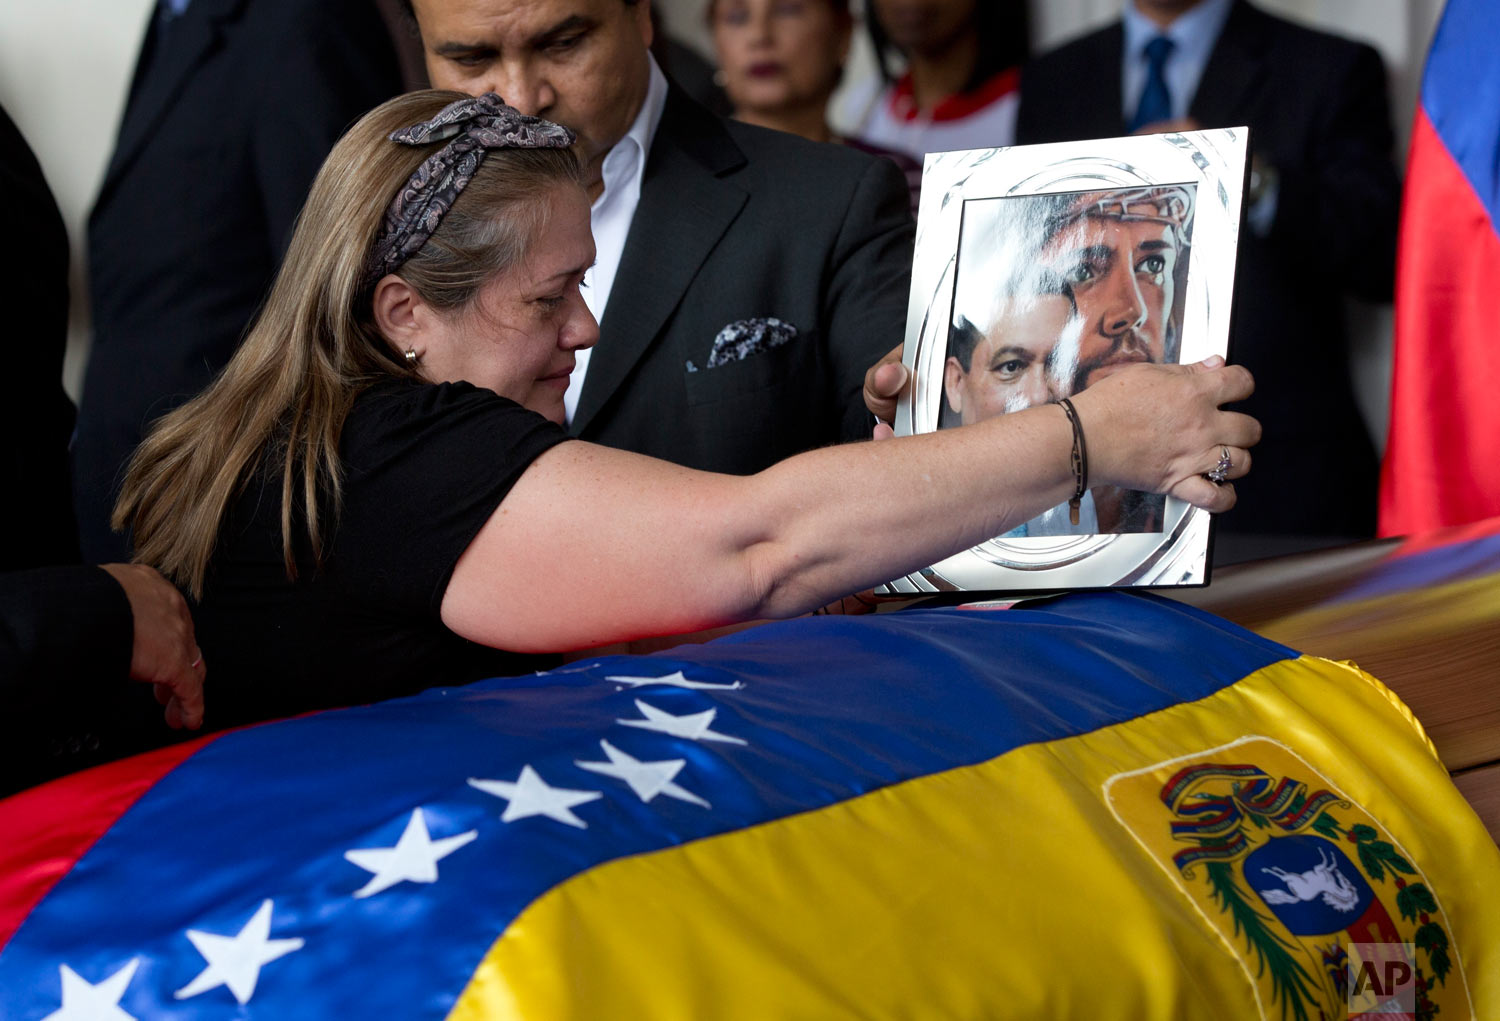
(1220, 473)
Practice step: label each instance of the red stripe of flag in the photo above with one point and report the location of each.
(1441, 466)
(49, 828)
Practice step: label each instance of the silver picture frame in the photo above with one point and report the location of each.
(1001, 232)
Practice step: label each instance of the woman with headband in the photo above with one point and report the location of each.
(377, 496)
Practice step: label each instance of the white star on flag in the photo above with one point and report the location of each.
(84, 1002)
(414, 857)
(677, 680)
(531, 795)
(235, 961)
(693, 726)
(647, 779)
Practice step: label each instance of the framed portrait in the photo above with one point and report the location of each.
(1042, 269)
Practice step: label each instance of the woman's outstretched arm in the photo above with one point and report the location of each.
(596, 545)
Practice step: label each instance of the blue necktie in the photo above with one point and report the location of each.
(1156, 101)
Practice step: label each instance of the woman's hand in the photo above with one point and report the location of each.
(1160, 428)
(690, 550)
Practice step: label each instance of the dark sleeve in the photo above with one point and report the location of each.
(66, 636)
(1339, 198)
(36, 414)
(869, 287)
(425, 467)
(331, 61)
(63, 627)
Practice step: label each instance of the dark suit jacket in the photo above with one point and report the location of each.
(36, 519)
(65, 646)
(229, 118)
(738, 223)
(1316, 105)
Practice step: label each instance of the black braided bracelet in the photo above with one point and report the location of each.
(1080, 460)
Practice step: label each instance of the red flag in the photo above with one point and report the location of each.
(1440, 463)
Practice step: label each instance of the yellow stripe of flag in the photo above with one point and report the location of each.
(1038, 884)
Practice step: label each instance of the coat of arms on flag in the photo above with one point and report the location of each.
(1297, 879)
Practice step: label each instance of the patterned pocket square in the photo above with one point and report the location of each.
(749, 337)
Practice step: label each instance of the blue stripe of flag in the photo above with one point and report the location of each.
(1461, 93)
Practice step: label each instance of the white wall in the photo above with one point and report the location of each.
(64, 69)
(65, 65)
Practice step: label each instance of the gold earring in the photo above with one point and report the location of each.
(412, 357)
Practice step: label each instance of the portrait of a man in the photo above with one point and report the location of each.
(1055, 293)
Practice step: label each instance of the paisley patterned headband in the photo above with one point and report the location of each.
(475, 124)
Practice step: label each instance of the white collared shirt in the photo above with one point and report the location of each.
(612, 212)
(1193, 34)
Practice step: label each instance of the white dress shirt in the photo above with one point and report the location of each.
(1193, 35)
(624, 167)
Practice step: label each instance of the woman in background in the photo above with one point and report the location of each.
(963, 70)
(780, 61)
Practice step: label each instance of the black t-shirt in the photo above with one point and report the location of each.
(424, 467)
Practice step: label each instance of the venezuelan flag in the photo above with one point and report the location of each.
(1104, 806)
(1439, 464)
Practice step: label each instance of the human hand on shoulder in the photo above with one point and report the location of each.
(164, 651)
(1161, 428)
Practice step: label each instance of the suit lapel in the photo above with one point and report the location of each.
(1235, 69)
(194, 36)
(686, 206)
(1103, 106)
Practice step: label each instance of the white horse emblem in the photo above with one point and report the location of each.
(1323, 880)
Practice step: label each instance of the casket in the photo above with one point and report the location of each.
(1099, 805)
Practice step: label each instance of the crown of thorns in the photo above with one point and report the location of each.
(1171, 205)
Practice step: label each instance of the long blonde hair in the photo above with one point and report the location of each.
(315, 347)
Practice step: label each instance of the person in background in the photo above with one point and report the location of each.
(746, 278)
(36, 517)
(959, 89)
(69, 633)
(69, 637)
(233, 105)
(685, 67)
(1320, 224)
(780, 61)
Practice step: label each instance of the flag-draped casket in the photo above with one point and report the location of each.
(1104, 806)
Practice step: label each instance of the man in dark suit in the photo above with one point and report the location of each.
(68, 634)
(234, 105)
(36, 518)
(746, 279)
(1320, 224)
